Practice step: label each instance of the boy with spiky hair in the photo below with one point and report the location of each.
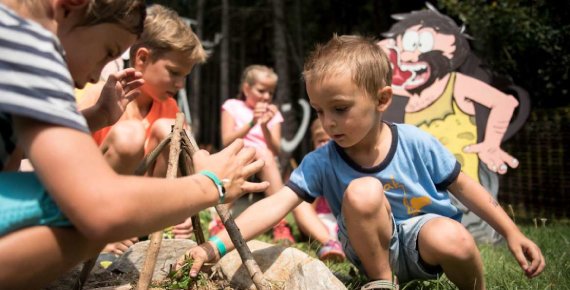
(388, 185)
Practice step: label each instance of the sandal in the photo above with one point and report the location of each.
(380, 284)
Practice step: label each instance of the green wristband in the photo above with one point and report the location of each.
(251, 123)
(219, 245)
(219, 185)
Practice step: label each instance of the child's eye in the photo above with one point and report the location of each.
(341, 109)
(174, 73)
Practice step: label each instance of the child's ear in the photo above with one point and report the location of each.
(384, 98)
(142, 56)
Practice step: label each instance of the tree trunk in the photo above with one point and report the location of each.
(225, 52)
(197, 74)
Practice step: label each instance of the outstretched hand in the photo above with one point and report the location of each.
(119, 90)
(233, 166)
(199, 255)
(527, 254)
(494, 157)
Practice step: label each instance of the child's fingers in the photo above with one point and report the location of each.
(536, 259)
(255, 186)
(247, 154)
(521, 259)
(196, 266)
(253, 167)
(234, 147)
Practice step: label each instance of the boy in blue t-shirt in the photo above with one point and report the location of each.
(387, 184)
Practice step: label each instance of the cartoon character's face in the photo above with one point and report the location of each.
(419, 57)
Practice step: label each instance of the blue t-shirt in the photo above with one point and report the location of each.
(415, 175)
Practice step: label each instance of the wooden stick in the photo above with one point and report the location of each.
(141, 170)
(186, 168)
(156, 238)
(233, 231)
(85, 271)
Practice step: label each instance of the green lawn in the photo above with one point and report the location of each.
(501, 270)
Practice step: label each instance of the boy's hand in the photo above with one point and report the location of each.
(119, 248)
(119, 90)
(233, 166)
(528, 255)
(183, 230)
(201, 254)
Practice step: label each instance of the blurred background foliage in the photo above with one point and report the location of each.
(525, 41)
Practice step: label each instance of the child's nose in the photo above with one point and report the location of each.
(179, 83)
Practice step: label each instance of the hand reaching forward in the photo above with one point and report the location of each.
(527, 254)
(493, 156)
(119, 90)
(200, 254)
(233, 166)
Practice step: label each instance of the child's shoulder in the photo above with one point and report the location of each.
(410, 132)
(233, 104)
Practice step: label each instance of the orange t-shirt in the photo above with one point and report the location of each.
(159, 109)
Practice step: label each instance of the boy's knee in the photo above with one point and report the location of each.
(161, 128)
(365, 195)
(450, 239)
(128, 138)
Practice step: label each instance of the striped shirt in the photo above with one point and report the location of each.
(34, 79)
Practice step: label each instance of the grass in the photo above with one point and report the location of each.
(501, 270)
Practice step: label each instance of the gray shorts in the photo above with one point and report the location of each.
(405, 259)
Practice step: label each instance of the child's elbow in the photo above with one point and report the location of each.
(100, 225)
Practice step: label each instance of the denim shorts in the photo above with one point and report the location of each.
(24, 202)
(404, 255)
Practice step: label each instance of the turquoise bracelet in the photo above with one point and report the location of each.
(219, 245)
(219, 185)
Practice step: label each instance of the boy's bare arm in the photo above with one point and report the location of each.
(112, 98)
(108, 207)
(254, 221)
(477, 199)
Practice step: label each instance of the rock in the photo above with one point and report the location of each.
(170, 250)
(286, 268)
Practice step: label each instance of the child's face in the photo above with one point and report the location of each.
(261, 91)
(348, 115)
(164, 76)
(89, 48)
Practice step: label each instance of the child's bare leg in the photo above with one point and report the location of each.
(35, 256)
(369, 225)
(310, 223)
(445, 242)
(159, 130)
(123, 147)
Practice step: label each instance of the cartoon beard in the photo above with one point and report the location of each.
(439, 66)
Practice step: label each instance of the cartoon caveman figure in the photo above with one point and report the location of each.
(425, 49)
(437, 85)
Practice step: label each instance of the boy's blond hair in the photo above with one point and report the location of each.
(164, 31)
(250, 75)
(367, 63)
